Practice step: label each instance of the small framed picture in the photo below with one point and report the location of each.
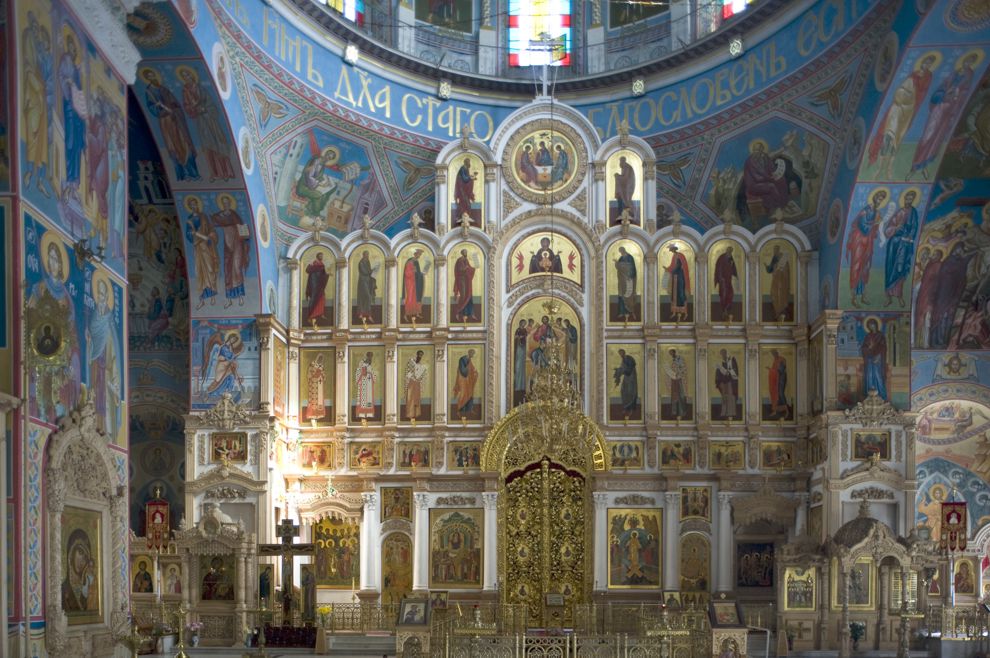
(438, 600)
(871, 444)
(142, 582)
(777, 454)
(463, 455)
(725, 613)
(414, 612)
(672, 599)
(366, 455)
(554, 599)
(229, 445)
(627, 454)
(412, 456)
(316, 455)
(676, 454)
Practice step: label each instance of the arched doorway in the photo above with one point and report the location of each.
(545, 452)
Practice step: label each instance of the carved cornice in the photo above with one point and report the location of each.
(874, 411)
(221, 475)
(106, 22)
(872, 493)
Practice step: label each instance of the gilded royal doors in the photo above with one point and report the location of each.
(546, 522)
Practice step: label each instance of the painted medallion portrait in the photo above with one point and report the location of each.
(634, 548)
(543, 158)
(416, 363)
(778, 281)
(82, 565)
(316, 386)
(624, 187)
(727, 282)
(625, 367)
(317, 287)
(535, 336)
(624, 280)
(367, 283)
(466, 189)
(676, 369)
(777, 382)
(466, 380)
(546, 253)
(416, 279)
(466, 284)
(675, 265)
(367, 382)
(456, 548)
(726, 382)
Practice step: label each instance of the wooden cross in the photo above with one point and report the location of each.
(287, 531)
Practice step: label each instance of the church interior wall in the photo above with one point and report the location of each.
(221, 222)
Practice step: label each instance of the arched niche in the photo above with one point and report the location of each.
(86, 530)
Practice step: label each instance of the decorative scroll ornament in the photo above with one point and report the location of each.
(953, 527)
(764, 505)
(227, 414)
(225, 493)
(874, 411)
(457, 500)
(872, 493)
(635, 499)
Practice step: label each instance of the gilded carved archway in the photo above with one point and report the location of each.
(545, 452)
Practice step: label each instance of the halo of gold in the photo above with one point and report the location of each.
(975, 51)
(576, 170)
(52, 238)
(759, 140)
(101, 276)
(182, 68)
(917, 195)
(938, 491)
(331, 154)
(226, 195)
(68, 34)
(934, 54)
(146, 70)
(866, 322)
(874, 191)
(185, 202)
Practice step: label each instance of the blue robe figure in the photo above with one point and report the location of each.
(220, 375)
(900, 232)
(70, 82)
(625, 378)
(560, 166)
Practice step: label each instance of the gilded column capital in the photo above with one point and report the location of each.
(490, 500)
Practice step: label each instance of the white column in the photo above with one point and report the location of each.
(407, 27)
(672, 541)
(601, 541)
(292, 264)
(724, 538)
(369, 543)
(490, 499)
(343, 313)
(7, 404)
(374, 540)
(421, 543)
(595, 40)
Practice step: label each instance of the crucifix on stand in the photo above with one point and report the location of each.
(287, 531)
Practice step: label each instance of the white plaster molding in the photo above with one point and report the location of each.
(106, 23)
